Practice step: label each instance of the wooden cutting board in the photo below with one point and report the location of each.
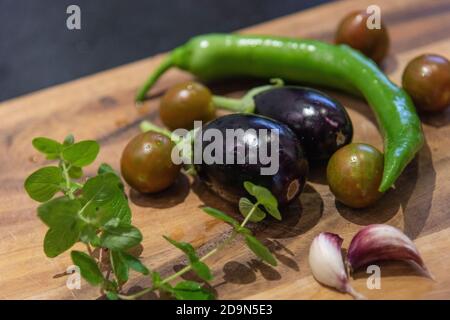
(101, 107)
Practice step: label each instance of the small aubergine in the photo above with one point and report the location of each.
(320, 122)
(227, 179)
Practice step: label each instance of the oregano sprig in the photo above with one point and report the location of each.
(95, 211)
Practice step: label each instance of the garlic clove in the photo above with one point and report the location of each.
(327, 266)
(378, 242)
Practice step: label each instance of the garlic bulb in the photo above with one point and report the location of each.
(327, 266)
(379, 242)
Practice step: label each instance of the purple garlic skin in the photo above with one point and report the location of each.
(379, 242)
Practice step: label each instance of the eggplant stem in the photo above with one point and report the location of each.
(246, 104)
(227, 103)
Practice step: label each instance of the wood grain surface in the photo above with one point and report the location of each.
(101, 107)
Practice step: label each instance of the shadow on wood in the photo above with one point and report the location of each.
(382, 211)
(170, 197)
(392, 269)
(298, 218)
(417, 182)
(436, 119)
(211, 199)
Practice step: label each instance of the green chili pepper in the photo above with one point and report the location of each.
(217, 56)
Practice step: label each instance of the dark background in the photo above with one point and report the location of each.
(37, 50)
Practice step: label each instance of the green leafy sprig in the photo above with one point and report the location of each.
(95, 211)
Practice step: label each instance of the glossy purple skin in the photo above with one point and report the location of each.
(320, 122)
(227, 180)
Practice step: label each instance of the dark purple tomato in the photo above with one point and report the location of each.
(353, 30)
(354, 174)
(320, 122)
(427, 80)
(285, 181)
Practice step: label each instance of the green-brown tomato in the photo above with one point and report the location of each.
(184, 103)
(427, 80)
(354, 174)
(146, 163)
(354, 31)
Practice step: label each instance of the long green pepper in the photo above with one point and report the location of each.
(217, 56)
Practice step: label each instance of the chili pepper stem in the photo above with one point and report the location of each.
(167, 63)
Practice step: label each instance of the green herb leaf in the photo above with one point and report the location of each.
(105, 200)
(121, 237)
(61, 215)
(157, 283)
(119, 266)
(187, 248)
(43, 184)
(62, 237)
(273, 210)
(82, 153)
(260, 250)
(221, 216)
(75, 172)
(58, 211)
(202, 270)
(106, 168)
(134, 263)
(244, 231)
(110, 285)
(156, 279)
(264, 197)
(89, 235)
(69, 140)
(49, 147)
(245, 206)
(88, 268)
(111, 295)
(191, 290)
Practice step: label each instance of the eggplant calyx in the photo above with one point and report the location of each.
(246, 104)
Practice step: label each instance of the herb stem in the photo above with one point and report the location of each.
(100, 259)
(89, 250)
(213, 251)
(189, 267)
(136, 295)
(247, 218)
(67, 178)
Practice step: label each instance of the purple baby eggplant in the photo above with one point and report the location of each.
(320, 122)
(285, 180)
